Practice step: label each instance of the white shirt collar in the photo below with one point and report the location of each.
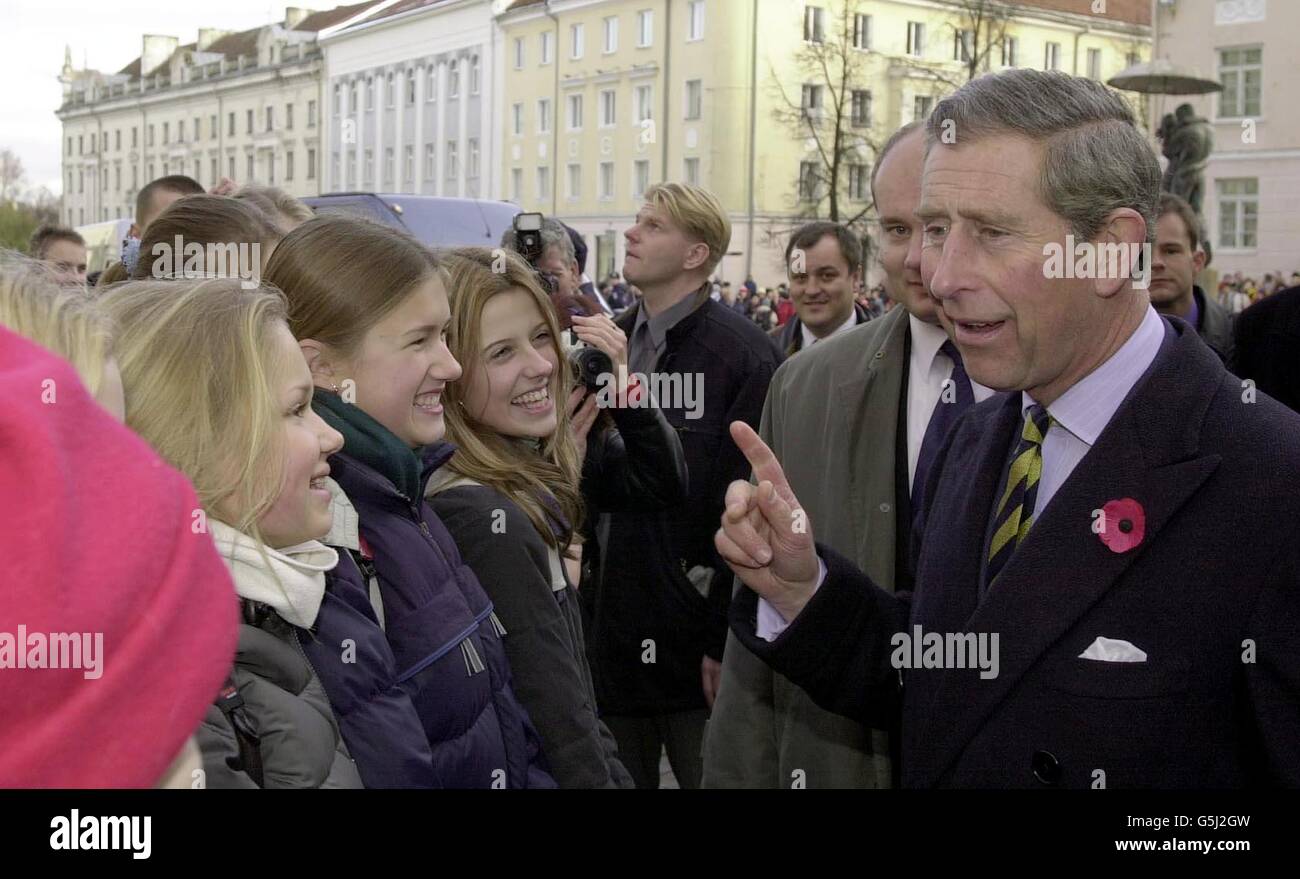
(927, 339)
(809, 338)
(1088, 406)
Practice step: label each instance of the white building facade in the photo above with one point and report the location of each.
(411, 102)
(246, 105)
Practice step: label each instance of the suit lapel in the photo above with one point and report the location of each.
(1148, 453)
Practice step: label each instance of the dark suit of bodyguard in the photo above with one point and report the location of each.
(1161, 649)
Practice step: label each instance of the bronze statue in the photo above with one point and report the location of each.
(1187, 141)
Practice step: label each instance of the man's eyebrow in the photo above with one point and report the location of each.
(978, 215)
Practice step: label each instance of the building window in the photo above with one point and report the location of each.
(814, 24)
(104, 182)
(337, 165)
(338, 100)
(1238, 212)
(453, 160)
(250, 163)
(808, 181)
(311, 114)
(573, 187)
(213, 130)
(811, 101)
(167, 132)
(135, 139)
(1132, 59)
(429, 166)
(640, 177)
(577, 34)
(288, 166)
(248, 124)
(230, 125)
(861, 108)
(543, 183)
(608, 108)
(606, 189)
(921, 106)
(915, 38)
(861, 31)
(117, 135)
(1010, 51)
(575, 112)
(388, 166)
(180, 131)
(1094, 63)
(368, 170)
(270, 118)
(694, 94)
(214, 165)
(117, 175)
(431, 84)
(288, 117)
(961, 46)
(70, 148)
(408, 164)
(352, 98)
(453, 78)
(611, 34)
(196, 128)
(517, 119)
(517, 185)
(1052, 56)
(858, 182)
(230, 168)
(695, 20)
(547, 40)
(370, 93)
(645, 28)
(410, 88)
(311, 164)
(691, 171)
(544, 116)
(471, 146)
(644, 95)
(1240, 71)
(390, 93)
(352, 169)
(270, 168)
(519, 53)
(135, 176)
(473, 74)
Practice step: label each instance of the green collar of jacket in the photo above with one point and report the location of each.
(368, 441)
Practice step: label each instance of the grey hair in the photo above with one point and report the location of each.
(1096, 159)
(553, 235)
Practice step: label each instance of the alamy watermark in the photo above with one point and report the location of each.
(194, 259)
(1084, 259)
(24, 649)
(919, 649)
(662, 390)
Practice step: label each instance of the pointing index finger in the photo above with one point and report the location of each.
(762, 459)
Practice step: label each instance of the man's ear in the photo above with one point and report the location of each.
(319, 362)
(1198, 261)
(134, 231)
(1124, 228)
(696, 255)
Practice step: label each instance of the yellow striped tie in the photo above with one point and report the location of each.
(1015, 508)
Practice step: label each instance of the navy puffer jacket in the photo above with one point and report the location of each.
(445, 639)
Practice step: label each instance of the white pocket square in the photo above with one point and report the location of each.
(1113, 650)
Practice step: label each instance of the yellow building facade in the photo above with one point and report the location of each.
(603, 98)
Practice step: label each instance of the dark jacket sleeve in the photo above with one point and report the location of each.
(747, 406)
(637, 465)
(838, 648)
(1273, 679)
(548, 676)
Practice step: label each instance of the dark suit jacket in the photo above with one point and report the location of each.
(1268, 346)
(1212, 594)
(789, 338)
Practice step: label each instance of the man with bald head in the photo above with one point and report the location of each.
(1080, 617)
(856, 421)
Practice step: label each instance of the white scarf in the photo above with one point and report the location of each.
(294, 582)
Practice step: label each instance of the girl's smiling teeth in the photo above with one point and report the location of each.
(430, 401)
(533, 401)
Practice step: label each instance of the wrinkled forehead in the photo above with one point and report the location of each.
(998, 170)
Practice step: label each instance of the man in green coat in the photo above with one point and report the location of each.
(850, 419)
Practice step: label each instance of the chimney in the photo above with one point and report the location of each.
(208, 36)
(293, 15)
(157, 49)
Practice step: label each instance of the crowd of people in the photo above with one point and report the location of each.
(346, 511)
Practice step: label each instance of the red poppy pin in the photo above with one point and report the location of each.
(1122, 524)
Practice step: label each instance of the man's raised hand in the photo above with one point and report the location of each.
(765, 536)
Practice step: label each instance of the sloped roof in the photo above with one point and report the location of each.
(1130, 11)
(318, 21)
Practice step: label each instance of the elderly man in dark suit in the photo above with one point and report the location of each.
(1082, 617)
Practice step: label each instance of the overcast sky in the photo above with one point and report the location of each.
(104, 35)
